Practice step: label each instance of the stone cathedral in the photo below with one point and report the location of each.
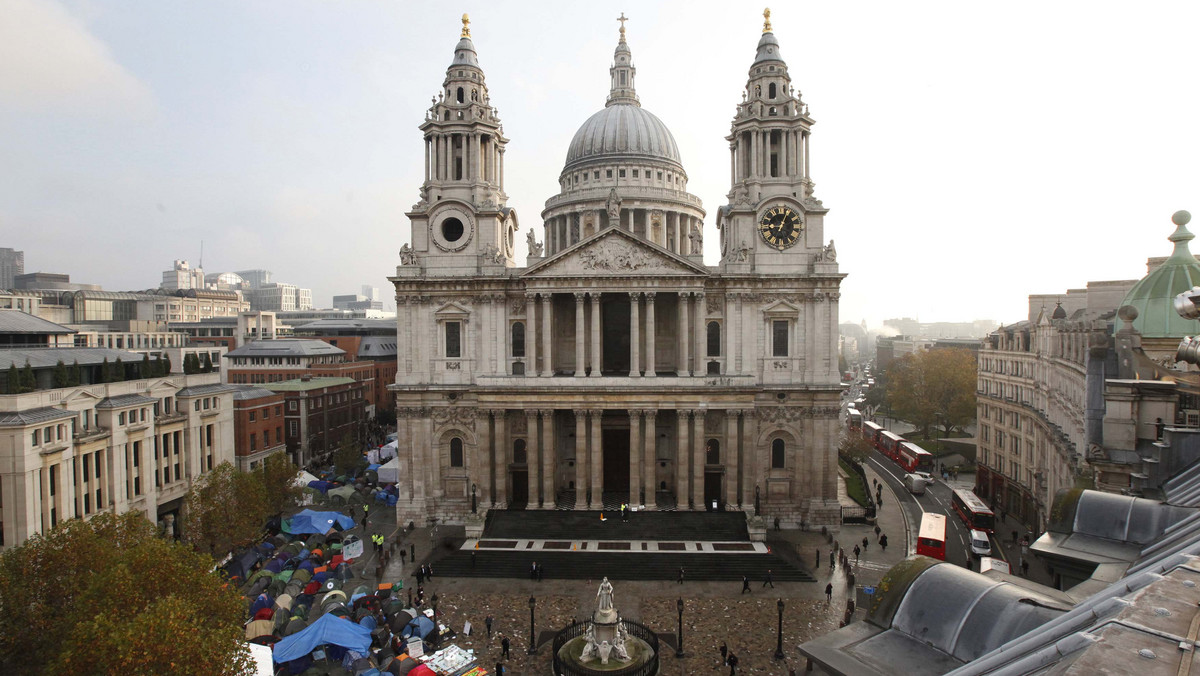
(615, 366)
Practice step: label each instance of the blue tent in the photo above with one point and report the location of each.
(308, 521)
(419, 626)
(328, 629)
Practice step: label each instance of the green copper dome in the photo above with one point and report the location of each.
(1154, 294)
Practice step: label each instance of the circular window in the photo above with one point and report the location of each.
(452, 229)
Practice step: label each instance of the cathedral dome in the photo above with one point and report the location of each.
(622, 132)
(1154, 295)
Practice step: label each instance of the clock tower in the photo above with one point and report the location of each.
(773, 223)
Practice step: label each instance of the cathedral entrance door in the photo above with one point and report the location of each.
(614, 310)
(712, 489)
(615, 445)
(520, 489)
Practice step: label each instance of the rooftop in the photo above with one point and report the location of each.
(48, 357)
(301, 385)
(16, 321)
(286, 347)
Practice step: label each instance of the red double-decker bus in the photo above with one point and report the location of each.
(854, 419)
(870, 432)
(931, 539)
(973, 511)
(913, 458)
(889, 444)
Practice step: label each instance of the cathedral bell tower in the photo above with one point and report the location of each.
(461, 224)
(772, 223)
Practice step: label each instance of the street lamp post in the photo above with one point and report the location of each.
(779, 644)
(679, 647)
(437, 633)
(473, 503)
(532, 645)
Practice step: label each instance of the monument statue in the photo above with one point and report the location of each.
(607, 642)
(535, 248)
(830, 252)
(697, 238)
(613, 205)
(407, 255)
(604, 597)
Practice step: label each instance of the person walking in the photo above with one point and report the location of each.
(883, 542)
(541, 571)
(746, 585)
(533, 571)
(832, 561)
(504, 646)
(366, 509)
(829, 593)
(768, 580)
(733, 662)
(499, 669)
(865, 542)
(487, 622)
(403, 554)
(680, 581)
(877, 531)
(472, 559)
(420, 575)
(724, 654)
(857, 551)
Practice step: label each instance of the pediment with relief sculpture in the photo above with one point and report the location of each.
(614, 253)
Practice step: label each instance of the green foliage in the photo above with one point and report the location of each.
(191, 364)
(107, 595)
(166, 364)
(61, 376)
(144, 369)
(855, 489)
(76, 376)
(348, 455)
(933, 388)
(118, 371)
(225, 509)
(159, 369)
(208, 365)
(854, 447)
(13, 381)
(105, 371)
(278, 475)
(28, 380)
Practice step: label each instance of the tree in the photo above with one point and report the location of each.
(225, 509)
(13, 386)
(933, 388)
(855, 448)
(105, 371)
(76, 376)
(348, 455)
(118, 371)
(28, 380)
(144, 370)
(208, 365)
(191, 364)
(159, 372)
(166, 364)
(107, 595)
(61, 376)
(278, 476)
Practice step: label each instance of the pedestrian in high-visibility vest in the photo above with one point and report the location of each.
(366, 508)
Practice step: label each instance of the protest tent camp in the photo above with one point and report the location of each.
(419, 626)
(389, 473)
(328, 629)
(310, 521)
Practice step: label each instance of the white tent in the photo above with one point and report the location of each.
(389, 473)
(387, 451)
(303, 478)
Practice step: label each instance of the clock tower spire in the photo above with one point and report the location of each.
(772, 222)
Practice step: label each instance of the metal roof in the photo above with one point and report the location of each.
(301, 385)
(286, 347)
(16, 321)
(248, 392)
(124, 400)
(204, 390)
(33, 416)
(47, 357)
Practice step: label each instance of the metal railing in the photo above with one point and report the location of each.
(577, 628)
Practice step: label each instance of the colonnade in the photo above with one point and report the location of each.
(589, 360)
(750, 154)
(671, 233)
(482, 158)
(739, 459)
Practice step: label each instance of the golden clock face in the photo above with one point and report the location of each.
(780, 227)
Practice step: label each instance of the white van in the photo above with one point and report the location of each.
(980, 544)
(915, 484)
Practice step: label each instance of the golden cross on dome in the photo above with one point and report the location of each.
(622, 19)
(767, 20)
(466, 33)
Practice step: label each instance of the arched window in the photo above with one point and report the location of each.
(456, 452)
(713, 457)
(771, 91)
(777, 454)
(459, 96)
(518, 339)
(519, 452)
(714, 339)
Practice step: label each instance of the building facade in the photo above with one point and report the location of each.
(319, 414)
(364, 340)
(258, 424)
(272, 361)
(12, 264)
(616, 366)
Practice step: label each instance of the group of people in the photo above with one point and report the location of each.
(424, 572)
(729, 659)
(536, 571)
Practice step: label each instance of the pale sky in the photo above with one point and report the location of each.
(970, 153)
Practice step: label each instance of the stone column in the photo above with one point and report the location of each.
(754, 142)
(755, 474)
(650, 455)
(596, 357)
(681, 459)
(502, 170)
(733, 162)
(481, 472)
(650, 340)
(681, 361)
(635, 457)
(807, 152)
(732, 465)
(427, 165)
(549, 459)
(503, 444)
(635, 365)
(532, 455)
(595, 462)
(547, 351)
(698, 459)
(785, 139)
(531, 351)
(701, 334)
(580, 366)
(581, 460)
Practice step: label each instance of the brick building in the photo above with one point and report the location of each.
(364, 340)
(257, 425)
(273, 361)
(319, 413)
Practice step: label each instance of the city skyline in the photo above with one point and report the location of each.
(289, 140)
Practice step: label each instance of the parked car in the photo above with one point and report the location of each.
(980, 544)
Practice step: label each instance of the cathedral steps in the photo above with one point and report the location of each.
(554, 524)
